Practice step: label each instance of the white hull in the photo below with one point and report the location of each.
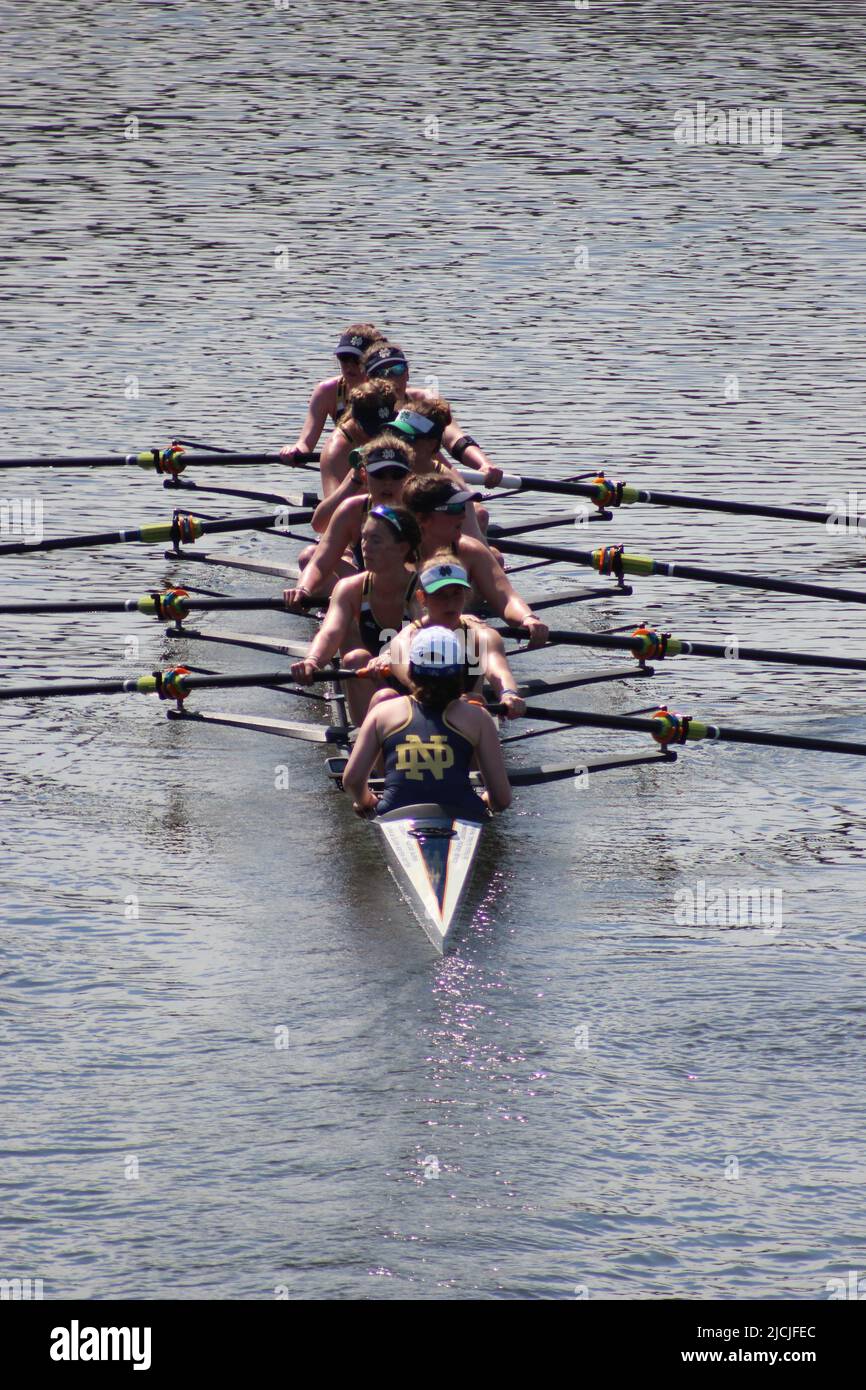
(431, 854)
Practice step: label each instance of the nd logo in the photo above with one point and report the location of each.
(414, 757)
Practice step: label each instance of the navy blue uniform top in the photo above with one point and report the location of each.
(368, 624)
(428, 760)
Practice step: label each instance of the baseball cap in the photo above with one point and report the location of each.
(436, 651)
(436, 577)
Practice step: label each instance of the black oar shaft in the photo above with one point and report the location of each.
(720, 504)
(699, 730)
(49, 689)
(148, 685)
(133, 605)
(645, 565)
(653, 497)
(158, 533)
(147, 457)
(681, 647)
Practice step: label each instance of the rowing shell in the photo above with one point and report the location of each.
(430, 849)
(431, 852)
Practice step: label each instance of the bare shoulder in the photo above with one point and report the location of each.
(339, 442)
(468, 719)
(348, 590)
(351, 508)
(324, 389)
(390, 713)
(471, 551)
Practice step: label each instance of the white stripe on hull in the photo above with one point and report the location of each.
(431, 856)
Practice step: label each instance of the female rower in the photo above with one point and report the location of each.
(330, 397)
(385, 464)
(387, 360)
(440, 509)
(429, 740)
(423, 425)
(367, 609)
(371, 405)
(443, 589)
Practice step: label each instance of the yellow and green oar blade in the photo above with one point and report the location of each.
(615, 561)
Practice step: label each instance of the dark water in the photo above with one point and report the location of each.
(231, 1064)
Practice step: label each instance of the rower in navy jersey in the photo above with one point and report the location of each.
(368, 608)
(383, 466)
(443, 589)
(385, 359)
(429, 740)
(330, 397)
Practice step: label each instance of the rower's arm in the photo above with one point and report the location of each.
(492, 765)
(334, 461)
(495, 668)
(335, 624)
(318, 411)
(349, 487)
(328, 553)
(468, 454)
(396, 655)
(364, 754)
(490, 579)
(492, 583)
(493, 660)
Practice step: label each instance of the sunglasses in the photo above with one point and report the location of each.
(391, 475)
(451, 508)
(395, 369)
(344, 358)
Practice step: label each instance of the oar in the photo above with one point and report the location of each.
(169, 685)
(613, 560)
(647, 645)
(667, 729)
(171, 460)
(606, 493)
(277, 499)
(183, 528)
(171, 604)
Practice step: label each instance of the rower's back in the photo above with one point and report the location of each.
(428, 752)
